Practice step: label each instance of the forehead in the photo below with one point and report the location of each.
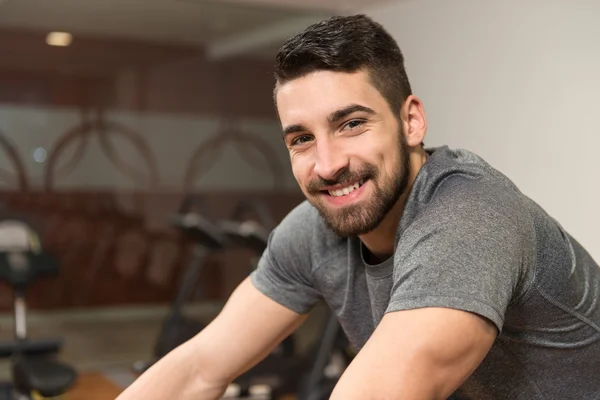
(313, 97)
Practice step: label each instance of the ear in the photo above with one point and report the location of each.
(414, 121)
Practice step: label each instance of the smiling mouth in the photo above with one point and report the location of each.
(345, 190)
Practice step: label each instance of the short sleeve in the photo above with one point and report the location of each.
(284, 270)
(468, 251)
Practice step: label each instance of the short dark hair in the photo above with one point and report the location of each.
(347, 44)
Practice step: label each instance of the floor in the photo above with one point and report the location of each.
(94, 386)
(103, 344)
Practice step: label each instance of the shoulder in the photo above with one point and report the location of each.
(460, 193)
(459, 183)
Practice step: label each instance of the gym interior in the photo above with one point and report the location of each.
(143, 168)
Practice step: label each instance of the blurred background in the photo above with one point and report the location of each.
(112, 113)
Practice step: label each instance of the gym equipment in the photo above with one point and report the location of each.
(250, 227)
(207, 236)
(328, 358)
(177, 329)
(22, 262)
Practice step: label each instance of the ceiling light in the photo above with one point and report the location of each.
(61, 39)
(39, 155)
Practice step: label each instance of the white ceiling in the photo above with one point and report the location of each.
(225, 27)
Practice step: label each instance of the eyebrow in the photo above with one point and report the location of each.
(344, 112)
(332, 118)
(294, 129)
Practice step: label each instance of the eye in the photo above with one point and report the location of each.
(355, 123)
(300, 140)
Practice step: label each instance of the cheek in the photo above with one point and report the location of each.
(299, 169)
(373, 149)
(381, 151)
(392, 158)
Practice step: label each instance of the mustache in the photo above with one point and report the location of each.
(344, 177)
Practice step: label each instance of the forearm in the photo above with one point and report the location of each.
(176, 376)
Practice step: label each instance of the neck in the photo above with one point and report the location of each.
(380, 241)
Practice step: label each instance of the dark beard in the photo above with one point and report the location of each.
(362, 218)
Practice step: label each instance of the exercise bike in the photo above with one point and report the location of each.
(245, 228)
(249, 227)
(35, 372)
(207, 237)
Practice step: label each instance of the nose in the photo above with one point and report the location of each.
(330, 160)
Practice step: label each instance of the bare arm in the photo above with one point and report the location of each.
(248, 328)
(423, 354)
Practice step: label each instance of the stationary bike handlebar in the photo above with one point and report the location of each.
(248, 234)
(253, 207)
(201, 230)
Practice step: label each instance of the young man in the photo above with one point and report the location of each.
(444, 276)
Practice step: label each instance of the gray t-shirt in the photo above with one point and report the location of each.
(468, 239)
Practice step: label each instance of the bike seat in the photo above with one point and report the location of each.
(27, 347)
(48, 378)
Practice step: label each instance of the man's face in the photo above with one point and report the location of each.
(346, 147)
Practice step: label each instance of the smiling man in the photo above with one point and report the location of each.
(444, 276)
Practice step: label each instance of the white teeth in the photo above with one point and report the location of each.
(346, 190)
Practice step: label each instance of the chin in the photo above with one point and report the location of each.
(350, 221)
